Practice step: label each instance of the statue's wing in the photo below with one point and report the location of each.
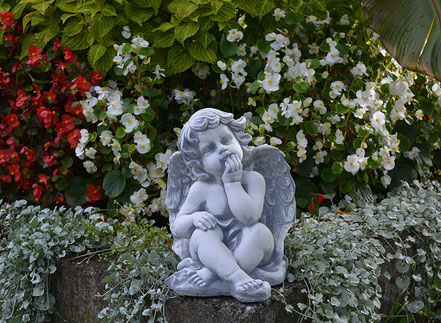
(279, 210)
(178, 185)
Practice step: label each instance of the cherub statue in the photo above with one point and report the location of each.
(230, 208)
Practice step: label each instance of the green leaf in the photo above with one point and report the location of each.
(61, 183)
(114, 183)
(310, 128)
(101, 26)
(137, 14)
(410, 31)
(340, 108)
(293, 18)
(295, 3)
(95, 53)
(198, 52)
(76, 191)
(248, 6)
(67, 161)
(263, 45)
(78, 42)
(165, 26)
(148, 115)
(337, 168)
(155, 4)
(225, 13)
(178, 60)
(301, 87)
(120, 133)
(228, 48)
(27, 18)
(42, 6)
(345, 186)
(105, 63)
(205, 38)
(254, 87)
(108, 10)
(66, 16)
(182, 8)
(18, 10)
(327, 175)
(182, 32)
(146, 51)
(263, 7)
(162, 40)
(73, 27)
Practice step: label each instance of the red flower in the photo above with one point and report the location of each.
(21, 98)
(50, 96)
(9, 123)
(48, 159)
(34, 56)
(37, 191)
(59, 199)
(67, 124)
(7, 19)
(311, 208)
(96, 77)
(4, 156)
(74, 109)
(73, 138)
(14, 170)
(29, 153)
(46, 116)
(69, 57)
(320, 198)
(16, 67)
(43, 179)
(6, 178)
(81, 83)
(93, 193)
(57, 44)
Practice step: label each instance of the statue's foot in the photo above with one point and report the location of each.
(253, 290)
(200, 278)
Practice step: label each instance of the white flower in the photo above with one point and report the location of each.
(344, 20)
(221, 65)
(385, 180)
(359, 113)
(412, 154)
(142, 105)
(184, 97)
(301, 139)
(351, 165)
(271, 82)
(359, 69)
(301, 153)
(339, 137)
(278, 13)
(114, 108)
(333, 56)
(224, 81)
(126, 32)
(139, 137)
(238, 79)
(268, 117)
(337, 87)
(275, 141)
(129, 122)
(158, 72)
(143, 147)
(131, 68)
(88, 113)
(388, 162)
(163, 159)
(275, 65)
(242, 50)
(139, 42)
(116, 147)
(79, 150)
(139, 196)
(419, 114)
(313, 48)
(102, 92)
(334, 118)
(90, 152)
(106, 137)
(84, 136)
(320, 157)
(259, 141)
(378, 120)
(201, 70)
(90, 167)
(238, 66)
(234, 35)
(280, 42)
(139, 173)
(319, 105)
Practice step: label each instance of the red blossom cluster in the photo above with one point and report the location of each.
(39, 123)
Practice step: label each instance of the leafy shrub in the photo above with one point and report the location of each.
(39, 119)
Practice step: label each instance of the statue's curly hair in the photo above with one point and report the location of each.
(202, 120)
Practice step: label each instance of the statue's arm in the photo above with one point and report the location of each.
(246, 197)
(183, 226)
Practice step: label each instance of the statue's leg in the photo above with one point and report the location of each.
(215, 255)
(256, 247)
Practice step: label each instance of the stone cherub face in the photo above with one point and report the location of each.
(220, 151)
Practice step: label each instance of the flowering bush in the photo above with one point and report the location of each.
(39, 117)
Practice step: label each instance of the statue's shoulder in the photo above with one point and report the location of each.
(253, 177)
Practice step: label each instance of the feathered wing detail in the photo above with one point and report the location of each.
(178, 185)
(279, 209)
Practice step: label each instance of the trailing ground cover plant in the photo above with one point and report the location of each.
(32, 241)
(39, 117)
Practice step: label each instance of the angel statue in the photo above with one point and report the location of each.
(231, 206)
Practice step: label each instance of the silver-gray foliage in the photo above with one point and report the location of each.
(339, 256)
(32, 241)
